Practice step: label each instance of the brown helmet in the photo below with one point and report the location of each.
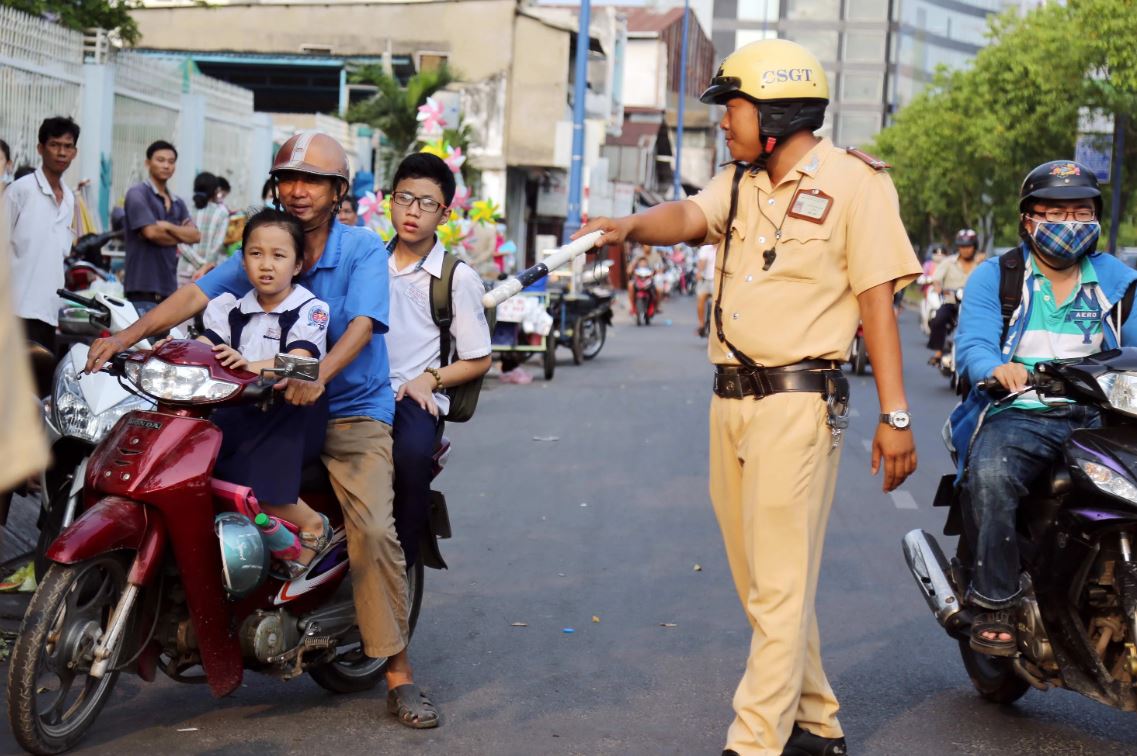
(312, 152)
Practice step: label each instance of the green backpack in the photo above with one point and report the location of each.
(464, 398)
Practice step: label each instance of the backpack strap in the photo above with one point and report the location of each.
(1124, 308)
(237, 322)
(442, 305)
(1012, 270)
(739, 169)
(287, 319)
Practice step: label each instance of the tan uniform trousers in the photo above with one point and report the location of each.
(773, 469)
(357, 453)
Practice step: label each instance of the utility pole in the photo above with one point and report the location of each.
(576, 170)
(1120, 122)
(677, 188)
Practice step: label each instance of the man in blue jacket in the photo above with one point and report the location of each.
(1067, 308)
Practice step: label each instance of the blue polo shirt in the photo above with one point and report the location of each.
(150, 268)
(351, 276)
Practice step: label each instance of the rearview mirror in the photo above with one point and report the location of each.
(295, 366)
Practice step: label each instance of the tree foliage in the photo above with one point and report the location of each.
(394, 109)
(961, 148)
(85, 14)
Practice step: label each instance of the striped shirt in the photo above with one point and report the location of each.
(1058, 331)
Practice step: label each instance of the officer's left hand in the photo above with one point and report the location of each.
(897, 449)
(301, 393)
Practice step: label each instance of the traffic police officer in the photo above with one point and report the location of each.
(810, 243)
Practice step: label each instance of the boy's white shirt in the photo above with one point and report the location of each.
(260, 338)
(413, 338)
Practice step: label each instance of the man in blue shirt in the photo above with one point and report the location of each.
(347, 268)
(156, 222)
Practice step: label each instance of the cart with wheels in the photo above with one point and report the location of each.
(510, 341)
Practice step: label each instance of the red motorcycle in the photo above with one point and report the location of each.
(165, 570)
(644, 285)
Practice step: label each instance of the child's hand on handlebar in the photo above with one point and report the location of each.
(230, 357)
(1012, 376)
(301, 393)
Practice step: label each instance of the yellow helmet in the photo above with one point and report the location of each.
(785, 81)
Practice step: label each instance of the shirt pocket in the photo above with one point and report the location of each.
(737, 240)
(804, 251)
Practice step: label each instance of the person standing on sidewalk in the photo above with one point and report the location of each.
(704, 285)
(156, 223)
(41, 209)
(811, 242)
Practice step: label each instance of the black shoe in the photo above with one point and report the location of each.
(805, 743)
(730, 752)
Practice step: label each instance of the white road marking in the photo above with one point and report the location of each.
(867, 442)
(903, 500)
(854, 412)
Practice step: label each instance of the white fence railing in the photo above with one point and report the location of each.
(44, 72)
(147, 107)
(41, 73)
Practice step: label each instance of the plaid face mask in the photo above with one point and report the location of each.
(1066, 242)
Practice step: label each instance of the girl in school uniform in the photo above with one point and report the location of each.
(267, 451)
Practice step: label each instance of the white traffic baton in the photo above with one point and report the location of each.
(527, 277)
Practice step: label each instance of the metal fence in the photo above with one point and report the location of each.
(44, 72)
(228, 139)
(147, 107)
(41, 74)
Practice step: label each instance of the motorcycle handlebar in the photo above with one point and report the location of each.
(1034, 381)
(80, 299)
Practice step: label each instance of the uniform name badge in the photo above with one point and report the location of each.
(811, 205)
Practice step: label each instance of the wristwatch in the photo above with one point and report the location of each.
(897, 419)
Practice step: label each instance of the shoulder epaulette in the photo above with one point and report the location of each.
(875, 163)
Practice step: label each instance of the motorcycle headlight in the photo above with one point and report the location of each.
(73, 416)
(1121, 390)
(179, 383)
(1108, 480)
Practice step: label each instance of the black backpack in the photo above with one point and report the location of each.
(464, 398)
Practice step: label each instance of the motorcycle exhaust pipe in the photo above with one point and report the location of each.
(930, 569)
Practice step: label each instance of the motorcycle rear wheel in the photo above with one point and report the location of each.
(593, 333)
(994, 677)
(353, 672)
(68, 612)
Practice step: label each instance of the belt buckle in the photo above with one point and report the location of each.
(729, 385)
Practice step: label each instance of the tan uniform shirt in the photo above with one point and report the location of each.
(22, 444)
(844, 238)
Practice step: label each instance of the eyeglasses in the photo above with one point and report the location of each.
(1058, 214)
(426, 204)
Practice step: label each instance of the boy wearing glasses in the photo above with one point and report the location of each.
(423, 188)
(1068, 308)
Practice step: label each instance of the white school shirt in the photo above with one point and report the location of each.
(41, 237)
(260, 338)
(413, 338)
(707, 253)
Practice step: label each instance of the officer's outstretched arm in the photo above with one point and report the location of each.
(665, 224)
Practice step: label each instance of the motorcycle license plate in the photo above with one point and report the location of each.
(511, 310)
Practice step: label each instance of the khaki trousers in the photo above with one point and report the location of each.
(773, 469)
(357, 453)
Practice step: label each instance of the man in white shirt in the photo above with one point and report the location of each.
(40, 210)
(705, 284)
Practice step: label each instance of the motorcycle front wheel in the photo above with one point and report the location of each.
(994, 677)
(52, 698)
(593, 333)
(354, 672)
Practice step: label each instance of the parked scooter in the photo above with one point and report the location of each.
(1077, 621)
(80, 410)
(165, 568)
(644, 286)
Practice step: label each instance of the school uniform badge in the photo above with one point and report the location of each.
(318, 317)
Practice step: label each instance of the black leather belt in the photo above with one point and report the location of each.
(145, 296)
(816, 376)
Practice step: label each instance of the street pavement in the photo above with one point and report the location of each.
(579, 508)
